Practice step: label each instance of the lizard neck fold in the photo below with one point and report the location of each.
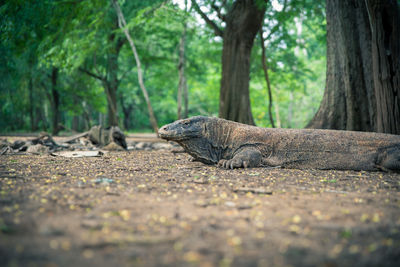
(214, 143)
(219, 133)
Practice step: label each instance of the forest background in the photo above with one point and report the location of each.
(60, 58)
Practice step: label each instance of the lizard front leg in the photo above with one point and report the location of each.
(248, 157)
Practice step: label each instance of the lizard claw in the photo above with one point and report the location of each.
(226, 164)
(230, 164)
(233, 163)
(221, 163)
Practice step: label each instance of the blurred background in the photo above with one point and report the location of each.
(66, 65)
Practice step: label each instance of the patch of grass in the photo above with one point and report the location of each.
(347, 233)
(5, 229)
(331, 181)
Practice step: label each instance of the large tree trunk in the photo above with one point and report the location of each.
(242, 24)
(363, 75)
(385, 27)
(348, 101)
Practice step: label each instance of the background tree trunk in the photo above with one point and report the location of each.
(75, 123)
(31, 104)
(181, 69)
(243, 22)
(185, 100)
(55, 102)
(112, 113)
(348, 101)
(385, 27)
(127, 109)
(86, 116)
(110, 80)
(111, 85)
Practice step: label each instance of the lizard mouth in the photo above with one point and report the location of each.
(168, 134)
(179, 131)
(163, 133)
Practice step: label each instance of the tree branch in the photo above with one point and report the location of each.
(285, 5)
(92, 74)
(265, 68)
(217, 30)
(218, 10)
(122, 26)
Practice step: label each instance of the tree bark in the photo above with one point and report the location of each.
(122, 25)
(385, 26)
(348, 101)
(243, 22)
(363, 71)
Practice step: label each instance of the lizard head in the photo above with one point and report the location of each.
(183, 129)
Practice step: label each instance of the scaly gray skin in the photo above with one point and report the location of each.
(233, 145)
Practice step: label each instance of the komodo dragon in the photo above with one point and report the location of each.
(234, 145)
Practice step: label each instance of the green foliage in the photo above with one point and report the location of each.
(77, 36)
(295, 51)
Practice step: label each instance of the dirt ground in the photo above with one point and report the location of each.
(157, 208)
